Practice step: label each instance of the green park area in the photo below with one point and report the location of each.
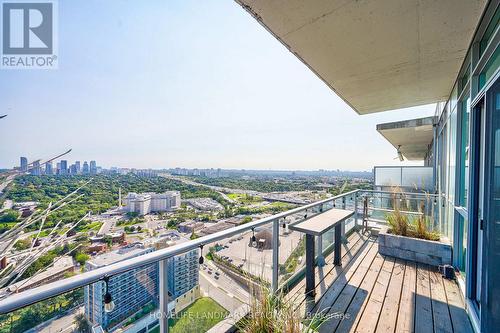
(245, 198)
(200, 316)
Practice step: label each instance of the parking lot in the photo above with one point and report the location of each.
(256, 261)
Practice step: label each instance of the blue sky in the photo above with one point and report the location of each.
(182, 83)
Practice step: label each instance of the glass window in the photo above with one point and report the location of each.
(452, 145)
(442, 159)
(454, 96)
(489, 32)
(450, 183)
(465, 74)
(464, 152)
(417, 177)
(462, 255)
(489, 70)
(387, 176)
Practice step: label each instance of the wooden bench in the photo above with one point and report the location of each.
(317, 226)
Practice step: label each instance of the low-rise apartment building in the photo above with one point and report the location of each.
(145, 203)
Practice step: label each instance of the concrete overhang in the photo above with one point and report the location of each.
(411, 137)
(377, 55)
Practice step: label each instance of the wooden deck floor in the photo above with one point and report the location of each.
(373, 293)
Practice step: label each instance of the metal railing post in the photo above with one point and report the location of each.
(321, 258)
(356, 209)
(344, 239)
(276, 242)
(163, 315)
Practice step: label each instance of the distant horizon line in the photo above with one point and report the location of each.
(224, 169)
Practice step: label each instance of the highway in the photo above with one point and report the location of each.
(276, 196)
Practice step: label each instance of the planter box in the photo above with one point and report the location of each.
(419, 250)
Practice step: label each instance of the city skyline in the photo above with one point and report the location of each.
(196, 99)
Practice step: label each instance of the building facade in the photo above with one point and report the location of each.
(182, 270)
(63, 168)
(36, 170)
(460, 149)
(24, 164)
(85, 168)
(93, 168)
(130, 290)
(134, 289)
(466, 154)
(145, 203)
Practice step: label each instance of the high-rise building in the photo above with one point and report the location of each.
(36, 170)
(85, 169)
(130, 290)
(72, 169)
(24, 164)
(134, 289)
(183, 269)
(78, 167)
(48, 168)
(63, 170)
(93, 168)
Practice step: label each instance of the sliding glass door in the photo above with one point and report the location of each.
(490, 311)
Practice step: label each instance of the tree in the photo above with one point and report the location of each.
(81, 258)
(23, 244)
(193, 235)
(82, 324)
(246, 219)
(9, 216)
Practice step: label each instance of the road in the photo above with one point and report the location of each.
(215, 188)
(287, 197)
(7, 205)
(62, 324)
(224, 290)
(6, 182)
(108, 224)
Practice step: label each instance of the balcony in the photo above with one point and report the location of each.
(365, 292)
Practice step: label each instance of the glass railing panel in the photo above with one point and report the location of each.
(292, 250)
(52, 315)
(414, 206)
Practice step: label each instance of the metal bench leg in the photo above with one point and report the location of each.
(338, 245)
(310, 283)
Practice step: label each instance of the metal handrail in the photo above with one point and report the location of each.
(38, 294)
(416, 194)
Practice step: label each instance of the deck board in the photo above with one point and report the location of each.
(388, 316)
(355, 310)
(460, 320)
(336, 311)
(423, 305)
(440, 312)
(369, 319)
(375, 293)
(405, 323)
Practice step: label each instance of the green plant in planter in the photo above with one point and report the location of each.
(418, 227)
(398, 223)
(421, 230)
(274, 313)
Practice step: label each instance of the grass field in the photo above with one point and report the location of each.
(245, 198)
(198, 317)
